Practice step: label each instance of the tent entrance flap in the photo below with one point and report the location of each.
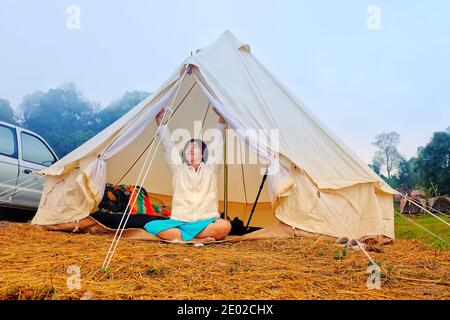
(192, 112)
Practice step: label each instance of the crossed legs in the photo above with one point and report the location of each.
(217, 230)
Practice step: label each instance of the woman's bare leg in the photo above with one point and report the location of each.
(174, 233)
(217, 230)
(170, 234)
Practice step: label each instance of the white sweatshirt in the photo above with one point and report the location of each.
(195, 194)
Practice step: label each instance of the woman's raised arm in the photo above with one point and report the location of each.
(171, 153)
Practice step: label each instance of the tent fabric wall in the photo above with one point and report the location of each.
(355, 211)
(225, 75)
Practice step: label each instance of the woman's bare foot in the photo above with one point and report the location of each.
(206, 239)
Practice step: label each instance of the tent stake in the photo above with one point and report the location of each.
(257, 197)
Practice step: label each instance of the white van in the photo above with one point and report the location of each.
(22, 154)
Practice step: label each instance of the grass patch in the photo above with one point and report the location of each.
(404, 229)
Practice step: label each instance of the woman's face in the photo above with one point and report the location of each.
(193, 153)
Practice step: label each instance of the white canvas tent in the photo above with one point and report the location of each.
(322, 188)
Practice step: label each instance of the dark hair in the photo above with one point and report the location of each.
(199, 142)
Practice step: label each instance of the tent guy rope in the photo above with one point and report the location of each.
(420, 226)
(33, 176)
(121, 228)
(348, 230)
(424, 209)
(429, 207)
(23, 189)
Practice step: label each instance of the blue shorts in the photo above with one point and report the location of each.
(189, 230)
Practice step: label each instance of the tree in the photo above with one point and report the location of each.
(6, 112)
(407, 177)
(433, 163)
(376, 166)
(118, 108)
(66, 119)
(387, 153)
(60, 115)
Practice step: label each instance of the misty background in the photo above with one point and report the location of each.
(383, 90)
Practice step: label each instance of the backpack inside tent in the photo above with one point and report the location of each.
(318, 186)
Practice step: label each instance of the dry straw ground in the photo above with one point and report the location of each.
(33, 265)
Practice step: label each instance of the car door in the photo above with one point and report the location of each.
(34, 155)
(9, 165)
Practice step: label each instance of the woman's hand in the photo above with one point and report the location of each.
(160, 116)
(221, 119)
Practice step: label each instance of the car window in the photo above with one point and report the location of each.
(7, 142)
(34, 150)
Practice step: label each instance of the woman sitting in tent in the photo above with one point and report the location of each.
(195, 216)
